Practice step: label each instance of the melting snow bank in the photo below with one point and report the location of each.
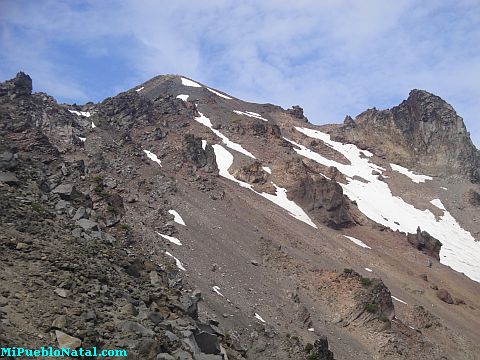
(438, 204)
(81, 113)
(217, 290)
(172, 239)
(267, 169)
(182, 97)
(153, 157)
(258, 317)
(397, 299)
(250, 113)
(219, 94)
(460, 251)
(202, 119)
(358, 242)
(176, 217)
(414, 177)
(188, 82)
(225, 159)
(178, 262)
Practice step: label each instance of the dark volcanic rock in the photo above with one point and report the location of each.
(193, 152)
(426, 243)
(321, 350)
(423, 132)
(445, 296)
(323, 199)
(252, 173)
(297, 112)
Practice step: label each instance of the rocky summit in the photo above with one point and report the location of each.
(175, 221)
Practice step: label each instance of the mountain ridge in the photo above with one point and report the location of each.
(281, 227)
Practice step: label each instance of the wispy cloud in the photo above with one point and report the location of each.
(332, 57)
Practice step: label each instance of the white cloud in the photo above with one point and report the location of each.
(331, 57)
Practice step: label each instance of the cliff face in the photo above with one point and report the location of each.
(423, 132)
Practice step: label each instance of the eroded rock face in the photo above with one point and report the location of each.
(297, 112)
(426, 243)
(324, 200)
(252, 173)
(422, 132)
(194, 153)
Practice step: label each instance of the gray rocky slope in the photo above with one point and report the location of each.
(91, 253)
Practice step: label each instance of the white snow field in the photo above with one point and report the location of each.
(225, 159)
(183, 97)
(357, 242)
(81, 113)
(460, 251)
(414, 177)
(250, 114)
(172, 239)
(177, 262)
(188, 82)
(219, 94)
(153, 157)
(202, 119)
(176, 217)
(438, 204)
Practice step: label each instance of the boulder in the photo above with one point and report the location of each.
(66, 341)
(321, 349)
(297, 112)
(9, 178)
(7, 160)
(67, 192)
(472, 197)
(445, 296)
(87, 225)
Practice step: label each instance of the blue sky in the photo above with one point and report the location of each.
(332, 57)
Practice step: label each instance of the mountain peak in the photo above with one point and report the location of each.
(423, 131)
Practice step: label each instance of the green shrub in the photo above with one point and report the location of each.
(348, 271)
(371, 308)
(308, 347)
(366, 281)
(38, 208)
(125, 226)
(312, 356)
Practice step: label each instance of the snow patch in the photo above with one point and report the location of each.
(93, 125)
(358, 242)
(182, 97)
(438, 204)
(82, 139)
(202, 119)
(140, 89)
(176, 217)
(153, 157)
(219, 94)
(172, 239)
(81, 113)
(188, 82)
(397, 299)
(177, 262)
(258, 317)
(267, 169)
(374, 198)
(217, 290)
(204, 144)
(311, 329)
(368, 269)
(414, 177)
(443, 188)
(250, 114)
(225, 159)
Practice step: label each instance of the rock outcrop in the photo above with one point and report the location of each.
(426, 243)
(423, 132)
